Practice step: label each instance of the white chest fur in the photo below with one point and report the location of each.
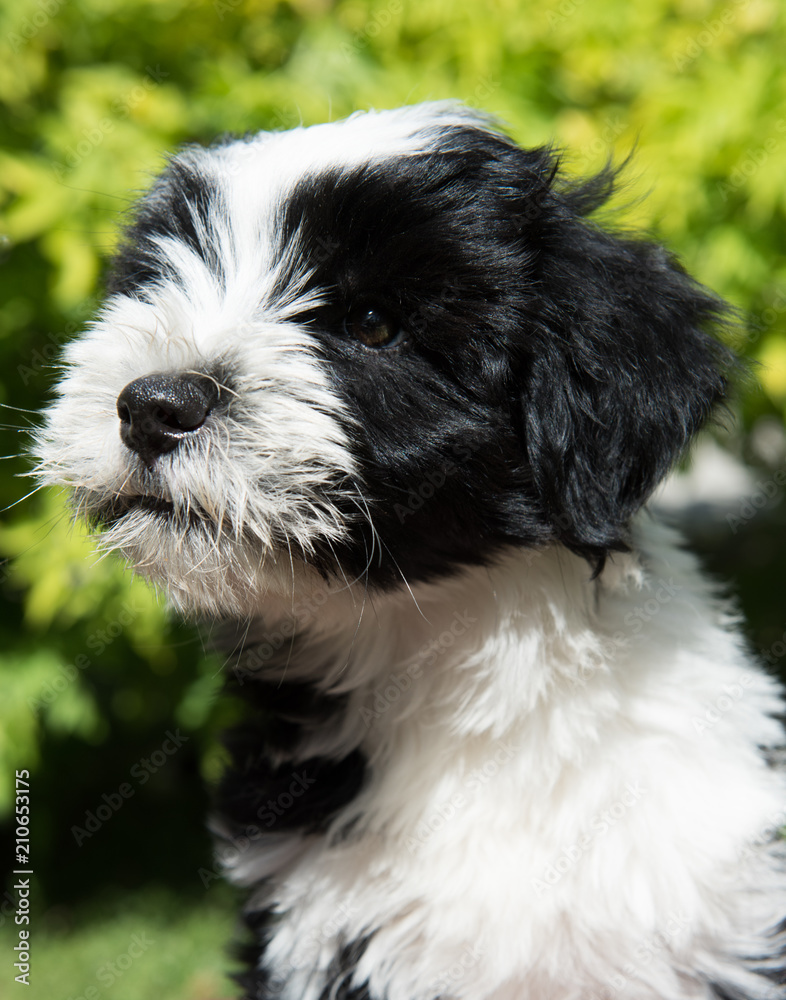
(565, 795)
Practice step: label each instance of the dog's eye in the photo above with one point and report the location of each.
(373, 326)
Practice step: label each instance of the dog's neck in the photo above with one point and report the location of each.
(472, 655)
(518, 718)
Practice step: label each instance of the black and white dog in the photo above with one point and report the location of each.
(379, 393)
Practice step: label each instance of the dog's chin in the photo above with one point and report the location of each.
(110, 512)
(206, 568)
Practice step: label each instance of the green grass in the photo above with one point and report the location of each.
(150, 945)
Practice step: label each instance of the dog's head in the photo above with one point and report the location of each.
(378, 348)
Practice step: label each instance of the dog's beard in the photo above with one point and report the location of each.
(220, 543)
(207, 567)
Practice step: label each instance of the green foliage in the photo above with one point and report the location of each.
(154, 947)
(96, 92)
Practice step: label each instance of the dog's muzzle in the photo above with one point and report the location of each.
(157, 412)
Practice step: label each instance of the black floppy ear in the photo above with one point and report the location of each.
(622, 372)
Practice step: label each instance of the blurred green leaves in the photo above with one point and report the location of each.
(27, 680)
(97, 92)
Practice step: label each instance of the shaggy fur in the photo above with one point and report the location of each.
(381, 395)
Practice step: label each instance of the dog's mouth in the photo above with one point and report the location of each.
(111, 511)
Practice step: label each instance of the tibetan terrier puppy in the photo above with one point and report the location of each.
(380, 397)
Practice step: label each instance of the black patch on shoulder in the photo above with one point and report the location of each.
(285, 711)
(293, 796)
(266, 984)
(255, 791)
(726, 992)
(337, 985)
(339, 975)
(770, 976)
(258, 797)
(180, 206)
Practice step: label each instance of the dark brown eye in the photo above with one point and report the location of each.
(373, 326)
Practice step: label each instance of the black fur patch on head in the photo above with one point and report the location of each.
(182, 206)
(549, 373)
(623, 375)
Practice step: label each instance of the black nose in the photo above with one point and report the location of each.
(158, 411)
